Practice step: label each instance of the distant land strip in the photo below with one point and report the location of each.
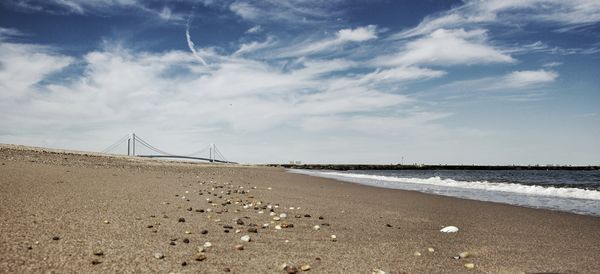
(431, 167)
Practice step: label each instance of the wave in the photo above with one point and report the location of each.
(396, 182)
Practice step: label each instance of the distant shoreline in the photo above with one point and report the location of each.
(430, 167)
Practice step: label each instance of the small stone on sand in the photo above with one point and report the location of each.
(470, 265)
(95, 262)
(181, 220)
(106, 221)
(98, 253)
(463, 255)
(417, 253)
(252, 230)
(305, 267)
(159, 255)
(200, 257)
(431, 249)
(239, 247)
(245, 238)
(186, 240)
(56, 238)
(316, 227)
(207, 244)
(204, 231)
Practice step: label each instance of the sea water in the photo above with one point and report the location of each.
(563, 190)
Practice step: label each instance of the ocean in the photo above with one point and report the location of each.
(573, 191)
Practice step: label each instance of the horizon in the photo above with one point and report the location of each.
(335, 82)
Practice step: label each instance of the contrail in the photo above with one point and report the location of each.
(191, 44)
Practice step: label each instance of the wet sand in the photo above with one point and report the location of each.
(70, 196)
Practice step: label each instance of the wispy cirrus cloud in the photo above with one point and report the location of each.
(473, 13)
(447, 47)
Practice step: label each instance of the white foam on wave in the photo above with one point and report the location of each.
(565, 192)
(575, 200)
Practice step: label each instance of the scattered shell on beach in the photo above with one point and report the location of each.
(449, 229)
(333, 238)
(158, 255)
(239, 247)
(265, 225)
(106, 222)
(417, 253)
(207, 244)
(316, 227)
(201, 249)
(377, 271)
(282, 215)
(470, 265)
(431, 249)
(278, 227)
(290, 269)
(200, 257)
(245, 238)
(463, 255)
(272, 214)
(276, 218)
(305, 267)
(187, 232)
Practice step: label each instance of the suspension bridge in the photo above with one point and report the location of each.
(137, 147)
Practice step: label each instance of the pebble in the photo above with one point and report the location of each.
(417, 253)
(95, 262)
(388, 225)
(239, 247)
(276, 218)
(186, 240)
(172, 243)
(282, 215)
(200, 257)
(431, 249)
(187, 232)
(159, 255)
(305, 267)
(228, 227)
(377, 271)
(204, 231)
(252, 230)
(106, 222)
(239, 222)
(207, 244)
(245, 238)
(463, 255)
(316, 227)
(181, 220)
(227, 269)
(470, 265)
(321, 218)
(272, 214)
(278, 227)
(183, 263)
(56, 238)
(307, 215)
(98, 253)
(333, 238)
(290, 269)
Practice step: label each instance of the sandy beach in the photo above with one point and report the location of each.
(78, 213)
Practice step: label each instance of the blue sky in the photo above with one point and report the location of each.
(438, 82)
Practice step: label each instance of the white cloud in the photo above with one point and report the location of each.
(343, 36)
(474, 13)
(519, 81)
(254, 46)
(527, 78)
(255, 29)
(447, 47)
(192, 47)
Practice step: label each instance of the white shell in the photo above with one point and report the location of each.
(245, 238)
(449, 229)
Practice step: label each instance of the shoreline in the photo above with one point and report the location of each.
(346, 167)
(44, 195)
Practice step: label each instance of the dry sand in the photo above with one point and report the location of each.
(46, 194)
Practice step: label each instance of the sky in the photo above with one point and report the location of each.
(338, 81)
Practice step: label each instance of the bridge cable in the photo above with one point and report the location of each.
(116, 144)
